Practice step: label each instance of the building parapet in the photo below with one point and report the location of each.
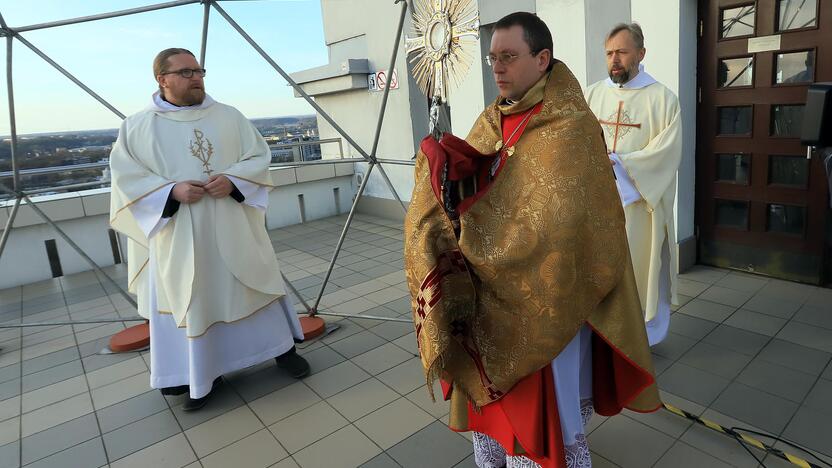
(301, 193)
(335, 77)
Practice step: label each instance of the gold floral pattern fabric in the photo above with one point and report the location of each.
(544, 251)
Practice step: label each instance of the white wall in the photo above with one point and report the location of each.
(578, 30)
(357, 111)
(565, 19)
(25, 261)
(344, 19)
(601, 16)
(685, 194)
(670, 39)
(466, 100)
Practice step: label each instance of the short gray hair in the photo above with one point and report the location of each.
(633, 28)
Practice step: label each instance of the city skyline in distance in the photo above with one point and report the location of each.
(114, 57)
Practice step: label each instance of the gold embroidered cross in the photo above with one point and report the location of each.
(202, 149)
(622, 119)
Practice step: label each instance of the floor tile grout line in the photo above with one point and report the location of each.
(322, 399)
(733, 379)
(20, 396)
(89, 390)
(173, 413)
(265, 426)
(799, 407)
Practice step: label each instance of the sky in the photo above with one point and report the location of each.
(114, 58)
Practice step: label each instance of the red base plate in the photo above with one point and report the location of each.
(312, 327)
(131, 339)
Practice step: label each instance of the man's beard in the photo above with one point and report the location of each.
(621, 78)
(193, 97)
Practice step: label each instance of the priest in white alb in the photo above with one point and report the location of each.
(642, 127)
(190, 185)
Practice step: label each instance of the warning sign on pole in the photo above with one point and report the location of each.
(379, 80)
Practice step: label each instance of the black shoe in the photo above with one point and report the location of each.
(293, 363)
(195, 404)
(173, 391)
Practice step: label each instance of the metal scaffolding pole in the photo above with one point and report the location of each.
(306, 96)
(74, 322)
(204, 43)
(70, 76)
(20, 195)
(74, 187)
(372, 163)
(342, 237)
(78, 249)
(112, 14)
(12, 121)
(9, 223)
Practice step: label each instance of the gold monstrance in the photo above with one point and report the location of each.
(442, 47)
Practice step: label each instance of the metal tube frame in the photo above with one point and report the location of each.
(306, 96)
(78, 249)
(70, 76)
(204, 43)
(372, 163)
(20, 195)
(73, 322)
(9, 224)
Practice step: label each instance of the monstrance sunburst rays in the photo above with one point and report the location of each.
(441, 47)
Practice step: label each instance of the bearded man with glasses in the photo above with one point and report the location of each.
(190, 186)
(524, 298)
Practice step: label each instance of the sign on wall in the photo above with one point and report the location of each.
(379, 80)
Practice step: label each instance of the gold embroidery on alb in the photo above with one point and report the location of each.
(202, 149)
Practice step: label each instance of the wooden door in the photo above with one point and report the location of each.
(762, 206)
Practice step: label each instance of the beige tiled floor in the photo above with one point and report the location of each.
(743, 351)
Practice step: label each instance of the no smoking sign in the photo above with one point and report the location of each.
(379, 80)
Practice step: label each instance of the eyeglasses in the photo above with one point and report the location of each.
(505, 58)
(187, 72)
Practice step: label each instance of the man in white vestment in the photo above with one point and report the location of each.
(190, 185)
(642, 127)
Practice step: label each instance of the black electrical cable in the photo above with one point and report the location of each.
(778, 439)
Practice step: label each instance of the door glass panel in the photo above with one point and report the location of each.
(732, 213)
(733, 168)
(737, 21)
(786, 219)
(788, 170)
(795, 67)
(786, 120)
(734, 120)
(736, 72)
(796, 14)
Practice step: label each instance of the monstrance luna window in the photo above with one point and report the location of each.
(442, 45)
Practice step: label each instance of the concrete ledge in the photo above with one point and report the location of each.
(96, 202)
(334, 77)
(344, 169)
(304, 193)
(4, 216)
(318, 172)
(85, 203)
(332, 70)
(284, 176)
(334, 85)
(58, 207)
